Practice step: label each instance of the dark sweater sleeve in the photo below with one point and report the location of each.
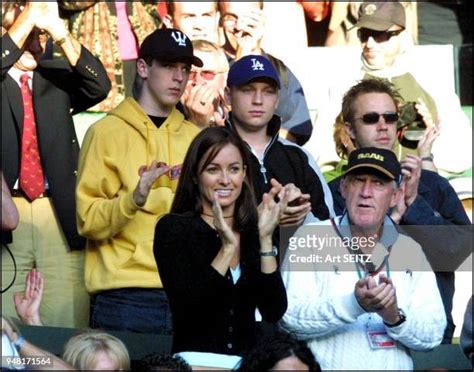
(312, 184)
(10, 54)
(87, 83)
(339, 202)
(439, 223)
(187, 276)
(272, 300)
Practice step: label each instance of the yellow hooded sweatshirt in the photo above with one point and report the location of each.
(119, 251)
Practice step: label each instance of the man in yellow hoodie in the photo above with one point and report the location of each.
(129, 165)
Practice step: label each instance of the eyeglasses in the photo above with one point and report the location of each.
(374, 117)
(204, 74)
(379, 36)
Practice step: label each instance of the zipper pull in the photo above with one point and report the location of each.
(263, 170)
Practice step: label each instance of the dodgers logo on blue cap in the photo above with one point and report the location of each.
(249, 68)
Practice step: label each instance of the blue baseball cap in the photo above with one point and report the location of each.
(249, 68)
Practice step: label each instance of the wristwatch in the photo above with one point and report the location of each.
(430, 157)
(401, 315)
(272, 253)
(19, 342)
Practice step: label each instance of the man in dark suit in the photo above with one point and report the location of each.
(40, 152)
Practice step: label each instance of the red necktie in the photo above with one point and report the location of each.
(31, 173)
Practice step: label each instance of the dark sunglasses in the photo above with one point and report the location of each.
(379, 36)
(373, 117)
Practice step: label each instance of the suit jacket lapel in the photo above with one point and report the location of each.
(15, 101)
(43, 128)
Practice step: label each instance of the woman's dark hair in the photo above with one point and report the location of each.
(270, 351)
(209, 143)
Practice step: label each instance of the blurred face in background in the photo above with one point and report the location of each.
(199, 20)
(213, 72)
(380, 49)
(235, 17)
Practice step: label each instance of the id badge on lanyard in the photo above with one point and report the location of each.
(378, 337)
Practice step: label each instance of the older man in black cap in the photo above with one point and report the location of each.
(129, 166)
(341, 276)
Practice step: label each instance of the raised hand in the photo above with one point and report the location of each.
(400, 208)
(252, 28)
(229, 241)
(389, 311)
(411, 170)
(270, 212)
(148, 176)
(229, 251)
(199, 104)
(46, 17)
(298, 205)
(374, 298)
(27, 304)
(425, 113)
(425, 144)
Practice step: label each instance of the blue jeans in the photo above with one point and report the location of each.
(137, 310)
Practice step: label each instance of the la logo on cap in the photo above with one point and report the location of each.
(179, 37)
(257, 65)
(370, 9)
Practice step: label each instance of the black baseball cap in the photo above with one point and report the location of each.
(371, 158)
(380, 16)
(169, 45)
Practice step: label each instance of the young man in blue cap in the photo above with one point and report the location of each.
(129, 165)
(252, 91)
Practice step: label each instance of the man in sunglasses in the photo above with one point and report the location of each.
(203, 99)
(430, 209)
(381, 30)
(385, 54)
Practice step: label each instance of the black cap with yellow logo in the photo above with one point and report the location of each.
(371, 158)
